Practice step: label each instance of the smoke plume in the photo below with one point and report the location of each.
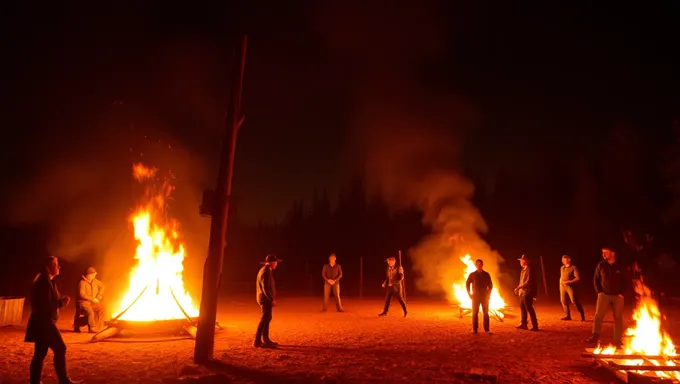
(408, 133)
(81, 185)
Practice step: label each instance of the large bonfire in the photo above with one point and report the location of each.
(160, 255)
(496, 302)
(646, 339)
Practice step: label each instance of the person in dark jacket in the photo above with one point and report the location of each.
(332, 273)
(89, 295)
(266, 298)
(392, 285)
(481, 284)
(569, 276)
(527, 292)
(42, 324)
(610, 281)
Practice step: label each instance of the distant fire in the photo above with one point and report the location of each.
(496, 302)
(646, 338)
(160, 257)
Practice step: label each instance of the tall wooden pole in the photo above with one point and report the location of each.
(545, 282)
(219, 207)
(361, 277)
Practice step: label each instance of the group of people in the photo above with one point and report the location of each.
(331, 274)
(46, 301)
(610, 281)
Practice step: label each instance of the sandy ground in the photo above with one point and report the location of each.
(431, 345)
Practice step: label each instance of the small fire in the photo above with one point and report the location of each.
(496, 302)
(160, 256)
(646, 338)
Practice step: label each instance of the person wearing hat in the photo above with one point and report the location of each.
(611, 282)
(89, 296)
(569, 276)
(42, 325)
(331, 273)
(392, 285)
(527, 291)
(266, 299)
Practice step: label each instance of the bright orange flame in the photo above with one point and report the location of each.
(160, 257)
(496, 302)
(646, 338)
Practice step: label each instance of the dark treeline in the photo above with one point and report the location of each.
(571, 205)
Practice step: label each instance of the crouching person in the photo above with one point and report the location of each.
(89, 293)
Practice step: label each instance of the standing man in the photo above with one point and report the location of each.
(480, 280)
(527, 291)
(42, 325)
(610, 282)
(568, 277)
(332, 273)
(392, 285)
(90, 293)
(266, 298)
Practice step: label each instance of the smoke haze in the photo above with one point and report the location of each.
(407, 132)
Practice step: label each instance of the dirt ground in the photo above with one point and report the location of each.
(432, 345)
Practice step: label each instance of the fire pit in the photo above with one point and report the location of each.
(496, 302)
(156, 301)
(648, 354)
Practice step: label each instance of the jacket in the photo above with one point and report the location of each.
(481, 284)
(45, 304)
(610, 279)
(332, 273)
(89, 290)
(265, 285)
(527, 282)
(393, 277)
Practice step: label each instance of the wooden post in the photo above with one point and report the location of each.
(403, 282)
(219, 211)
(545, 283)
(361, 277)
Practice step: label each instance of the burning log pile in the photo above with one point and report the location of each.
(156, 300)
(648, 354)
(496, 302)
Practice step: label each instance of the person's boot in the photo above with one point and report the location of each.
(522, 326)
(36, 372)
(566, 318)
(593, 339)
(583, 316)
(382, 314)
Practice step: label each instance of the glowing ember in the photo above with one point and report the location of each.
(460, 294)
(159, 255)
(646, 338)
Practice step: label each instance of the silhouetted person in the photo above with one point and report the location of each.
(392, 285)
(42, 325)
(527, 291)
(89, 295)
(610, 281)
(266, 298)
(332, 273)
(569, 276)
(481, 284)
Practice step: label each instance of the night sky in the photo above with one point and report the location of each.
(91, 88)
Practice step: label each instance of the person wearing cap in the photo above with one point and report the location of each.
(331, 273)
(42, 325)
(569, 276)
(610, 281)
(481, 284)
(266, 299)
(392, 285)
(89, 295)
(527, 291)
